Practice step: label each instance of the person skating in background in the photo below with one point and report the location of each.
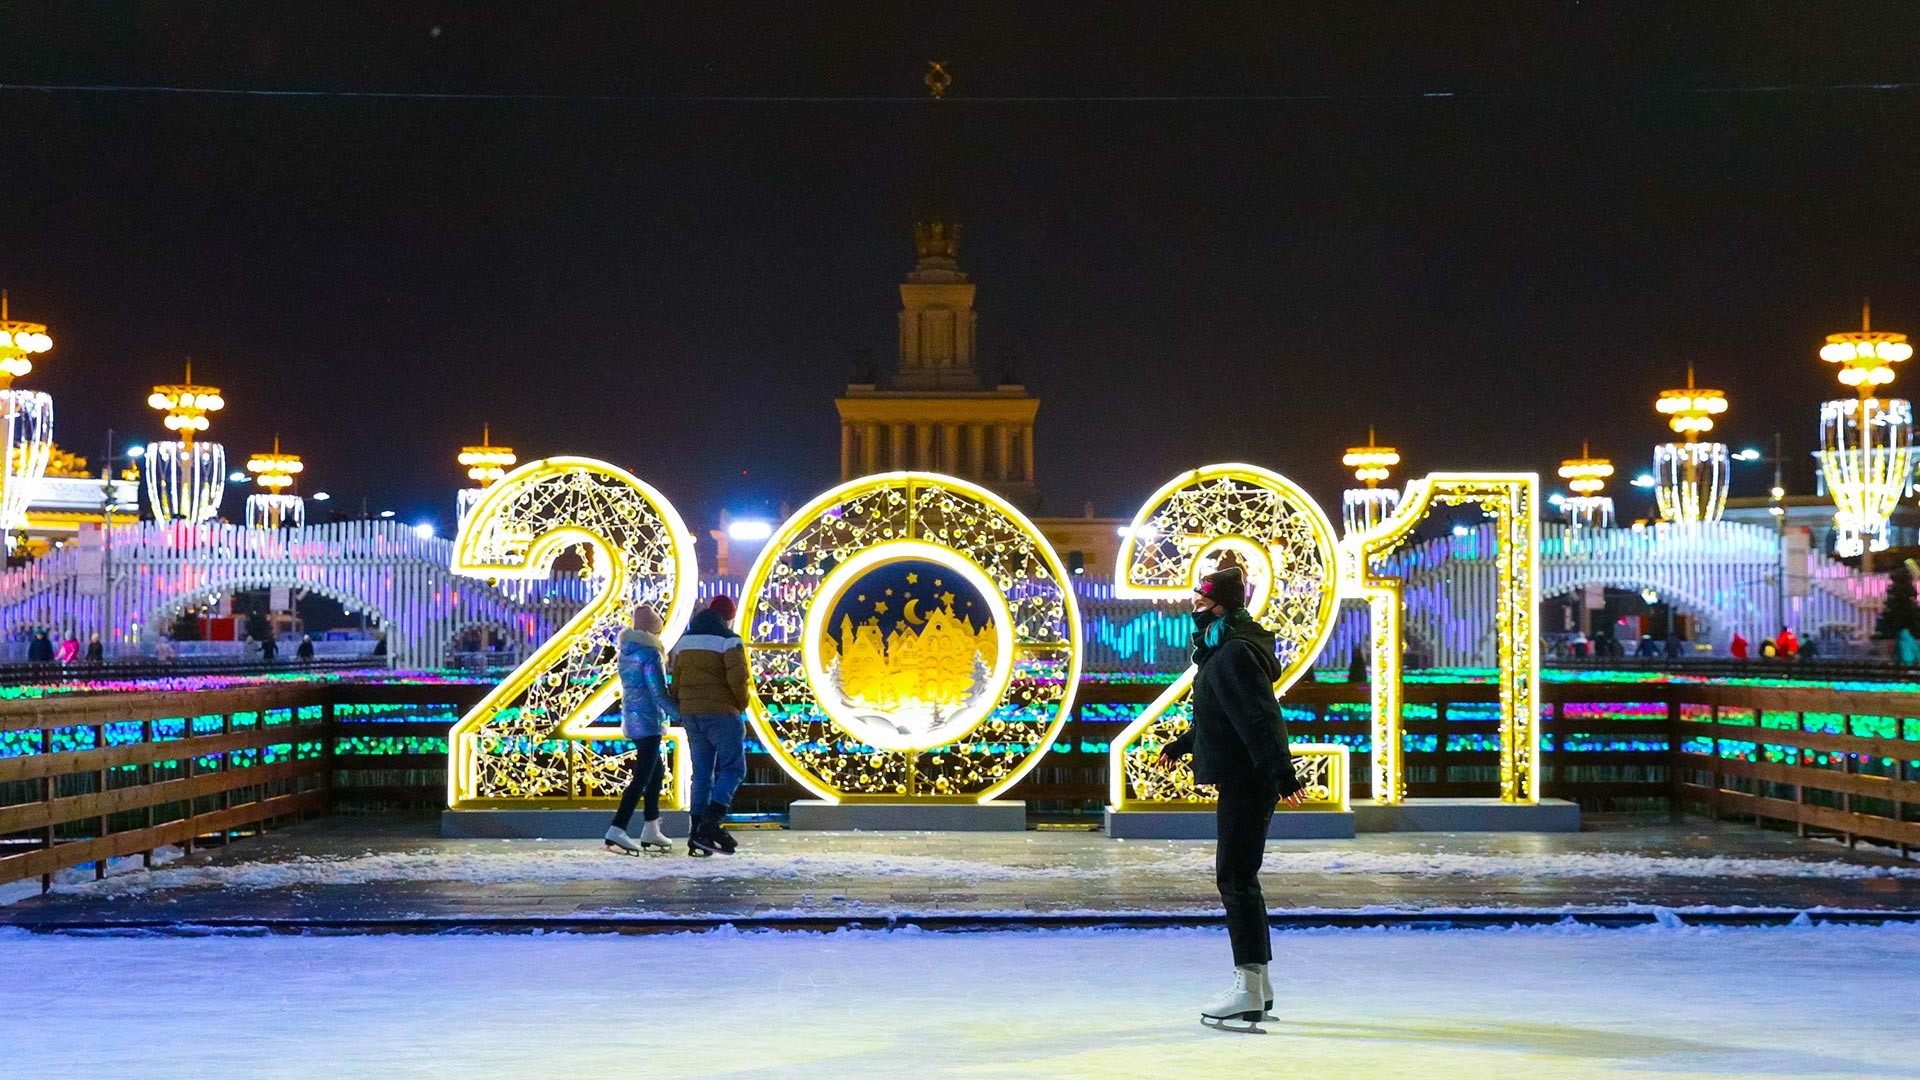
(1238, 742)
(40, 649)
(305, 651)
(269, 649)
(709, 668)
(69, 648)
(645, 712)
(96, 650)
(163, 650)
(1788, 644)
(1739, 647)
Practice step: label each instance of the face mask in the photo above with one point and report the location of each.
(1204, 619)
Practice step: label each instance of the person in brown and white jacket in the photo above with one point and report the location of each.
(709, 669)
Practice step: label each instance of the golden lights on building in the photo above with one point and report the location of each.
(18, 342)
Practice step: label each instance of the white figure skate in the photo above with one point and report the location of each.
(1240, 1009)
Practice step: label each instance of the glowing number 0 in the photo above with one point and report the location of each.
(1286, 546)
(533, 740)
(947, 686)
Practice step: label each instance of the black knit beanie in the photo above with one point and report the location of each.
(1227, 587)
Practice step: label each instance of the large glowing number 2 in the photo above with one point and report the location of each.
(1285, 543)
(534, 740)
(1512, 501)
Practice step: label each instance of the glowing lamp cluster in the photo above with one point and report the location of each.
(185, 480)
(186, 405)
(275, 508)
(1866, 356)
(1867, 454)
(1690, 477)
(29, 419)
(485, 465)
(1586, 477)
(1362, 508)
(18, 342)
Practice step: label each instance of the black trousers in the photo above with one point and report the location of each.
(648, 772)
(1243, 815)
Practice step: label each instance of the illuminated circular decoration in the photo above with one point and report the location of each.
(1285, 546)
(539, 735)
(949, 688)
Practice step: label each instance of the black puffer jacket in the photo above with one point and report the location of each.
(1237, 735)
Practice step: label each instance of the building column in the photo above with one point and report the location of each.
(976, 452)
(897, 447)
(1003, 451)
(846, 451)
(1026, 451)
(923, 447)
(869, 453)
(950, 448)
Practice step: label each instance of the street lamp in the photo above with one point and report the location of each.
(1866, 442)
(1690, 476)
(1586, 477)
(185, 481)
(276, 507)
(485, 464)
(1362, 508)
(27, 441)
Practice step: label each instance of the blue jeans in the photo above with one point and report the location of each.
(717, 744)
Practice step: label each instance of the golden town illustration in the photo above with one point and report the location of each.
(909, 660)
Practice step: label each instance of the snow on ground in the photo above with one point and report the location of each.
(1556, 1002)
(539, 861)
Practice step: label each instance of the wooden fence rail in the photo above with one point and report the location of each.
(91, 777)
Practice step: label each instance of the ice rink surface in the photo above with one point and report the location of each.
(1556, 1002)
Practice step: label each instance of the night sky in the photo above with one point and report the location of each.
(1199, 232)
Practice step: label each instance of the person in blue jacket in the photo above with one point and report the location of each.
(645, 712)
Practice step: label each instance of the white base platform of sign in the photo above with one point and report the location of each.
(816, 815)
(1468, 815)
(549, 824)
(1199, 825)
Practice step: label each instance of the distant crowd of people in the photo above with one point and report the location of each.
(43, 648)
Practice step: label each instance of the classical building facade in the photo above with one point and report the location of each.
(936, 413)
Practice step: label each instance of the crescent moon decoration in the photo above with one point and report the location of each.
(908, 614)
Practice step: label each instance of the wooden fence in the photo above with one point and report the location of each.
(89, 777)
(103, 776)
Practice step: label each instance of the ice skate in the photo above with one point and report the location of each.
(651, 837)
(702, 842)
(1266, 993)
(620, 843)
(1239, 1009)
(728, 845)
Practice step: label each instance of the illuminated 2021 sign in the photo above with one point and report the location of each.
(912, 636)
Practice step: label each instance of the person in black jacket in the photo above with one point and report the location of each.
(1239, 745)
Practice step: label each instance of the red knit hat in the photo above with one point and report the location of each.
(722, 605)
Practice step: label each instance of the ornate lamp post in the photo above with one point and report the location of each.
(1690, 477)
(1362, 508)
(29, 420)
(185, 479)
(485, 464)
(1866, 442)
(1586, 477)
(276, 507)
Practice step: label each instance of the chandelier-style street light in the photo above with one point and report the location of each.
(485, 464)
(276, 507)
(1362, 508)
(1690, 477)
(1866, 442)
(1586, 477)
(186, 479)
(29, 421)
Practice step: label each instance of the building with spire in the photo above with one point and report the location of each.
(936, 413)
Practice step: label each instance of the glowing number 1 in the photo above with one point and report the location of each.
(532, 739)
(1512, 501)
